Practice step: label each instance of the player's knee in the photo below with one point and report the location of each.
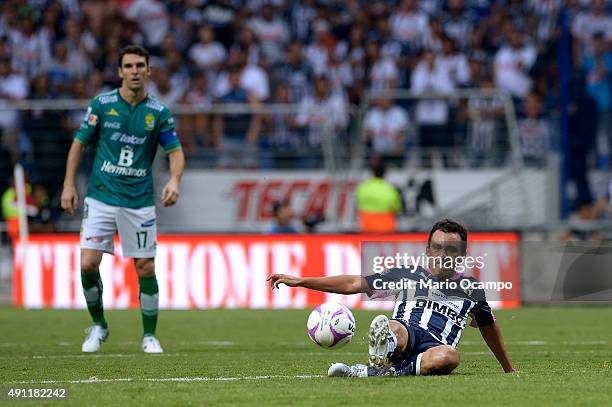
(440, 361)
(451, 359)
(145, 267)
(89, 265)
(401, 334)
(447, 360)
(90, 261)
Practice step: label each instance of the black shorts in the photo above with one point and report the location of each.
(419, 340)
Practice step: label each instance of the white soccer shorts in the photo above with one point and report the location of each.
(137, 229)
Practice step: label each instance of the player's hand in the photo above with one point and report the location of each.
(276, 279)
(70, 199)
(170, 193)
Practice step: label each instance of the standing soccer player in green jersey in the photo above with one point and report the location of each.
(124, 127)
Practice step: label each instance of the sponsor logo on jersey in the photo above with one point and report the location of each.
(87, 113)
(112, 112)
(149, 122)
(112, 125)
(155, 105)
(92, 119)
(126, 156)
(105, 99)
(111, 168)
(442, 308)
(127, 138)
(437, 295)
(468, 291)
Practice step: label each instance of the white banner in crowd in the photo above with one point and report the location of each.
(241, 201)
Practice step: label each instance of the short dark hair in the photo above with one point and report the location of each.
(234, 69)
(379, 169)
(133, 49)
(278, 205)
(449, 226)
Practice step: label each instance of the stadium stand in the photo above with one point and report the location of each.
(331, 65)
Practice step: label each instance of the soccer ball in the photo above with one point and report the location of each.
(331, 325)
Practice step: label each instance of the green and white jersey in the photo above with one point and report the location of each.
(125, 139)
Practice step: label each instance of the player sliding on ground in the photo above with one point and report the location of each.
(422, 336)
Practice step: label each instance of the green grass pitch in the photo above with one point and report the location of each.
(261, 357)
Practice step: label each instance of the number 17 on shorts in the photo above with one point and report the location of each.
(139, 237)
(137, 229)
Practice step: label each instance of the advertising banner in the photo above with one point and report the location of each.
(241, 201)
(230, 271)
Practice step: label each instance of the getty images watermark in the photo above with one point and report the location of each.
(445, 269)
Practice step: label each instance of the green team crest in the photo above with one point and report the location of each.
(149, 122)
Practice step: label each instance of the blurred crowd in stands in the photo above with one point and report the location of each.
(326, 58)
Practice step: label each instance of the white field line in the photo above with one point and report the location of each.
(182, 343)
(123, 343)
(168, 379)
(133, 355)
(533, 342)
(237, 378)
(338, 355)
(299, 345)
(542, 352)
(586, 343)
(99, 355)
(209, 343)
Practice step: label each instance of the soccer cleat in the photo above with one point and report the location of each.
(377, 341)
(150, 344)
(344, 370)
(95, 336)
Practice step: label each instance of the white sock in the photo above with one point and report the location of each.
(417, 367)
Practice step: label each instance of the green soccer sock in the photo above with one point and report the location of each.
(149, 303)
(92, 288)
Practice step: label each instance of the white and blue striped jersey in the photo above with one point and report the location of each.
(442, 312)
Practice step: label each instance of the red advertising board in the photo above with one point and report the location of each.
(230, 271)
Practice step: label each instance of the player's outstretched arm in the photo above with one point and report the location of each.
(70, 197)
(170, 193)
(333, 284)
(493, 337)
